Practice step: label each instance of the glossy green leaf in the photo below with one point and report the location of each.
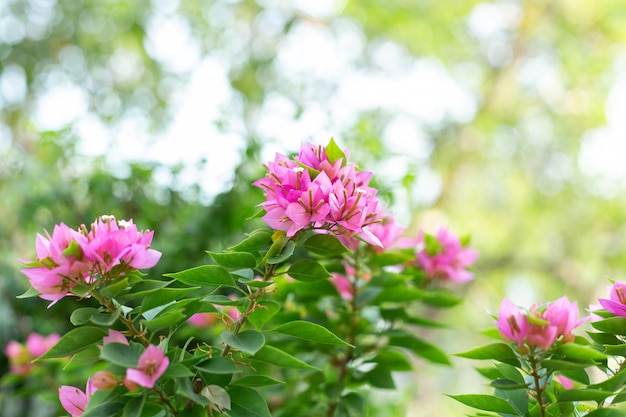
(283, 254)
(334, 152)
(325, 245)
(74, 341)
(120, 354)
(246, 402)
(248, 341)
(165, 320)
(613, 383)
(218, 365)
(485, 403)
(111, 290)
(497, 351)
(185, 389)
(264, 312)
(205, 275)
(82, 315)
(575, 351)
(275, 356)
(83, 359)
(611, 325)
(308, 271)
(380, 377)
(606, 412)
(584, 395)
(177, 370)
(217, 396)
(420, 347)
(256, 381)
(310, 331)
(234, 259)
(256, 240)
(164, 296)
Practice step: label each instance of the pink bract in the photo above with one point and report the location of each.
(450, 261)
(114, 336)
(152, 364)
(75, 401)
(310, 191)
(616, 304)
(512, 322)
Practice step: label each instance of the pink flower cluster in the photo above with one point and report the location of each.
(541, 326)
(314, 191)
(616, 304)
(21, 355)
(68, 256)
(151, 365)
(443, 256)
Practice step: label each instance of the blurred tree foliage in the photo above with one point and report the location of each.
(485, 116)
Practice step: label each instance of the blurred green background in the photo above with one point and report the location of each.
(501, 119)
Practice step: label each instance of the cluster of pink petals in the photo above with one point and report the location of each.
(553, 322)
(450, 262)
(616, 304)
(71, 256)
(152, 364)
(311, 191)
(21, 355)
(74, 400)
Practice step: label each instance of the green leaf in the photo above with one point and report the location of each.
(485, 403)
(114, 288)
(399, 294)
(82, 315)
(264, 311)
(325, 245)
(575, 351)
(380, 377)
(29, 293)
(606, 412)
(137, 407)
(165, 320)
(246, 402)
(164, 296)
(120, 354)
(310, 331)
(393, 360)
(248, 341)
(497, 351)
(282, 253)
(82, 359)
(604, 339)
(234, 259)
(393, 257)
(256, 240)
(615, 350)
(420, 347)
(178, 370)
(584, 395)
(614, 383)
(518, 398)
(218, 365)
(275, 356)
(256, 381)
(205, 275)
(561, 364)
(73, 249)
(334, 152)
(308, 271)
(612, 325)
(185, 389)
(217, 396)
(74, 341)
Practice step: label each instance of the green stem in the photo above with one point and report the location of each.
(537, 388)
(352, 332)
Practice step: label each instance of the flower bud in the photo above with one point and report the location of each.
(104, 380)
(130, 385)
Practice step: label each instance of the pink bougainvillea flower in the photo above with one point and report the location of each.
(343, 286)
(313, 192)
(446, 257)
(564, 315)
(110, 243)
(152, 364)
(19, 358)
(58, 258)
(616, 304)
(37, 344)
(512, 322)
(565, 381)
(202, 320)
(114, 336)
(75, 401)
